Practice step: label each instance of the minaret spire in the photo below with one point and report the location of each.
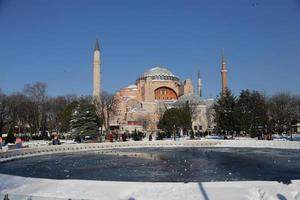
(199, 85)
(97, 72)
(224, 73)
(222, 57)
(97, 46)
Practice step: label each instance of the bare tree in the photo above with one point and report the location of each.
(210, 115)
(37, 94)
(282, 112)
(161, 109)
(3, 111)
(144, 120)
(20, 114)
(54, 109)
(106, 107)
(297, 108)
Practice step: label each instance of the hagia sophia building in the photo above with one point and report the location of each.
(140, 105)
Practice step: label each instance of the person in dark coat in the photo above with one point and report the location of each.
(111, 137)
(56, 141)
(124, 137)
(150, 137)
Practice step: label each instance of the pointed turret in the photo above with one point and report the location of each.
(97, 46)
(222, 58)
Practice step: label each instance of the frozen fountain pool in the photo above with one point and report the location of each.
(163, 165)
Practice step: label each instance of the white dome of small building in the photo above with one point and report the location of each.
(191, 99)
(138, 110)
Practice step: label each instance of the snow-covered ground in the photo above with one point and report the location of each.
(38, 143)
(295, 137)
(83, 189)
(282, 137)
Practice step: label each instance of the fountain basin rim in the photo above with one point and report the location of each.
(68, 148)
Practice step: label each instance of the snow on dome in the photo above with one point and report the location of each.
(159, 73)
(132, 87)
(138, 110)
(191, 98)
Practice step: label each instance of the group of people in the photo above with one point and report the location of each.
(114, 136)
(15, 140)
(55, 140)
(135, 135)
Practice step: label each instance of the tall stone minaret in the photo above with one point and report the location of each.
(224, 74)
(199, 85)
(97, 72)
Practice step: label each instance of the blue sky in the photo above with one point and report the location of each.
(52, 41)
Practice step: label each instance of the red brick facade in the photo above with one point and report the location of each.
(165, 93)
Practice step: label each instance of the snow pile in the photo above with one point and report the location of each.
(83, 189)
(40, 143)
(259, 144)
(218, 137)
(36, 143)
(295, 137)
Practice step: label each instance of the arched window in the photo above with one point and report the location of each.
(165, 93)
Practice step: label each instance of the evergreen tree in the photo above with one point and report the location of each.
(225, 112)
(84, 120)
(251, 111)
(244, 111)
(259, 110)
(175, 118)
(66, 116)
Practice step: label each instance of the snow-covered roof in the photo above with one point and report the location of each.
(138, 110)
(128, 98)
(132, 87)
(191, 98)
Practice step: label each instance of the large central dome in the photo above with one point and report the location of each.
(159, 73)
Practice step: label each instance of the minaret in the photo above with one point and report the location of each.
(97, 72)
(199, 85)
(224, 74)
